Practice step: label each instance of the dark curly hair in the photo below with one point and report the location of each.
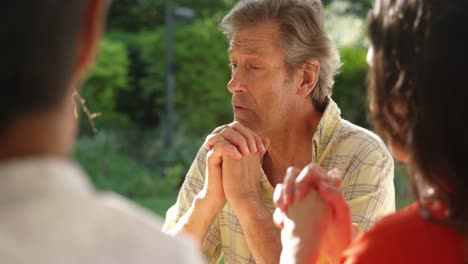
(417, 88)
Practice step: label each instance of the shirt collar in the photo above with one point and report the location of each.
(325, 129)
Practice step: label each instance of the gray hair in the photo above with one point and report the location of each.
(302, 36)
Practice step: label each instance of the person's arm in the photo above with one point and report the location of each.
(192, 214)
(262, 236)
(241, 180)
(198, 219)
(303, 230)
(207, 194)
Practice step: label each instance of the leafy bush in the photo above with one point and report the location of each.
(202, 98)
(109, 76)
(202, 101)
(114, 162)
(350, 87)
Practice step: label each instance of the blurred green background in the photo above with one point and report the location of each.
(127, 85)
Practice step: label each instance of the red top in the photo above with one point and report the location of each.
(406, 237)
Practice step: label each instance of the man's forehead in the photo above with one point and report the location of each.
(250, 48)
(255, 42)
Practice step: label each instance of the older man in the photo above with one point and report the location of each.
(283, 67)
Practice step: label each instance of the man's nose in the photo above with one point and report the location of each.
(237, 82)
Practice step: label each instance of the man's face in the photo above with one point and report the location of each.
(263, 92)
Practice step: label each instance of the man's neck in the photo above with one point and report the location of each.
(39, 134)
(291, 146)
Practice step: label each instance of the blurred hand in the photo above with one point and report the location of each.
(313, 179)
(298, 183)
(303, 229)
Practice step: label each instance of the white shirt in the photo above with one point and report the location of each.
(49, 213)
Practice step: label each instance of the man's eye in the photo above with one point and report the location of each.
(233, 66)
(254, 67)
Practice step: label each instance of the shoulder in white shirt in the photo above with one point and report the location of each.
(49, 213)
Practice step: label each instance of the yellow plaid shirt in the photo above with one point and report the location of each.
(362, 158)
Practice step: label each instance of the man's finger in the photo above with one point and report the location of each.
(211, 139)
(248, 134)
(260, 147)
(224, 148)
(218, 129)
(236, 139)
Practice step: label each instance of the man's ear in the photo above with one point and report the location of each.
(309, 73)
(92, 28)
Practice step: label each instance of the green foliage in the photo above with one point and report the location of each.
(159, 205)
(355, 7)
(208, 8)
(144, 15)
(135, 15)
(110, 169)
(109, 76)
(350, 87)
(402, 186)
(114, 161)
(201, 98)
(144, 101)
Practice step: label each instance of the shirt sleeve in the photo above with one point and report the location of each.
(192, 185)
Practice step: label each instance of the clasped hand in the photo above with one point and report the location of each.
(312, 214)
(233, 164)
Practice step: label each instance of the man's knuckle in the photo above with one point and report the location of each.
(235, 124)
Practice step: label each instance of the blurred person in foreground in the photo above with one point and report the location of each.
(417, 85)
(283, 67)
(49, 211)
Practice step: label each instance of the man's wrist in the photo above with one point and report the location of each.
(245, 205)
(208, 205)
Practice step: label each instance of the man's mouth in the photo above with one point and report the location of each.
(239, 107)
